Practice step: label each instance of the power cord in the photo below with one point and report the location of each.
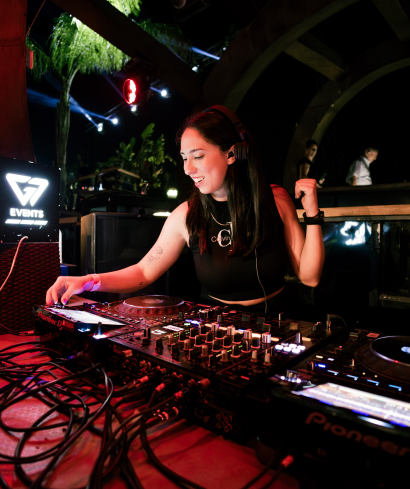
(14, 261)
(260, 283)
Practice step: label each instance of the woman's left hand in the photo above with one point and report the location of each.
(307, 189)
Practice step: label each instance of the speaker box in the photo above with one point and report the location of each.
(112, 241)
(36, 268)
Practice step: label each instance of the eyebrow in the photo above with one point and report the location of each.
(192, 151)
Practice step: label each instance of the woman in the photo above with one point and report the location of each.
(240, 230)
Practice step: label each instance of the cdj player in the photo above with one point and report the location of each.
(348, 405)
(237, 351)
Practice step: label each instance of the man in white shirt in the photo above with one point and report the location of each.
(359, 171)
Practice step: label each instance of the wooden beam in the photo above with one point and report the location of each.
(396, 16)
(317, 55)
(364, 211)
(126, 35)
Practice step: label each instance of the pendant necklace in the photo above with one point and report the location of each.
(227, 224)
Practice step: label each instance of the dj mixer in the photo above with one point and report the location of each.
(146, 335)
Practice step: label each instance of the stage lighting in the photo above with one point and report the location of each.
(100, 127)
(133, 108)
(114, 121)
(172, 193)
(136, 88)
(195, 68)
(164, 93)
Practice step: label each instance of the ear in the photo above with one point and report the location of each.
(231, 155)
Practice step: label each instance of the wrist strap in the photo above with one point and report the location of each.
(318, 219)
(97, 282)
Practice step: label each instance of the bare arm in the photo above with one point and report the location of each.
(353, 180)
(304, 170)
(306, 252)
(156, 262)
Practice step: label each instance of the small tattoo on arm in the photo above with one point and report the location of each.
(154, 256)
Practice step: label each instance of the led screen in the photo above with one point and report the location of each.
(29, 195)
(361, 402)
(84, 317)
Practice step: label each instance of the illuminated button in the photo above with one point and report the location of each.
(278, 347)
(295, 351)
(287, 348)
(293, 345)
(302, 347)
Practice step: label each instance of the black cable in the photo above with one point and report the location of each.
(177, 478)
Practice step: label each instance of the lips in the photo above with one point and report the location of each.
(197, 180)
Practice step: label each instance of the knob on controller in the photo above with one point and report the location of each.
(198, 341)
(216, 346)
(181, 336)
(236, 352)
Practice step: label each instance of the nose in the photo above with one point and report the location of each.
(189, 167)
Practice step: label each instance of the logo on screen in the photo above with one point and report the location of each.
(30, 193)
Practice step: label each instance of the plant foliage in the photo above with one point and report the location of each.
(147, 162)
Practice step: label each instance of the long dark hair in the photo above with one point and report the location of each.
(250, 199)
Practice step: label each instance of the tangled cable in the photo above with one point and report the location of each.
(79, 392)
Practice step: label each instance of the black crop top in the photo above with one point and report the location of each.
(235, 278)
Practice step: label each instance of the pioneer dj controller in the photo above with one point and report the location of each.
(235, 350)
(349, 406)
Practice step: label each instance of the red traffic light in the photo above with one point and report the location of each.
(130, 91)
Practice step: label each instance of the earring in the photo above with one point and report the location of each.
(230, 154)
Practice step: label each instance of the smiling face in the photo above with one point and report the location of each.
(206, 164)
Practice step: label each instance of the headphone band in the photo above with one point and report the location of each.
(233, 119)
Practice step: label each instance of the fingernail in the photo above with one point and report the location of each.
(64, 301)
(55, 303)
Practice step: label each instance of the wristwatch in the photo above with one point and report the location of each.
(318, 219)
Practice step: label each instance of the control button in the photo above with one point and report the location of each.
(254, 357)
(266, 338)
(236, 351)
(193, 332)
(245, 318)
(158, 345)
(212, 361)
(267, 360)
(198, 341)
(246, 346)
(230, 330)
(256, 342)
(187, 344)
(237, 338)
(203, 329)
(171, 339)
(248, 334)
(224, 356)
(266, 327)
(175, 351)
(227, 341)
(205, 351)
(214, 327)
(181, 336)
(219, 334)
(209, 337)
(216, 346)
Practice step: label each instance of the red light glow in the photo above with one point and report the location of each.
(130, 91)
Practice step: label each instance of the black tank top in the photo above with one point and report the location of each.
(235, 278)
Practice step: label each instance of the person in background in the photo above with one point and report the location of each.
(307, 166)
(359, 171)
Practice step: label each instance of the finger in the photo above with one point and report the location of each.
(67, 294)
(48, 296)
(54, 293)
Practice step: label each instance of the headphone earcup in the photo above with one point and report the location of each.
(241, 151)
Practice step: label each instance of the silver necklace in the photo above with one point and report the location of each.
(227, 224)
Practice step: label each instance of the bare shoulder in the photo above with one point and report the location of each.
(283, 202)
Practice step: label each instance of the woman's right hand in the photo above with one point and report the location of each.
(65, 287)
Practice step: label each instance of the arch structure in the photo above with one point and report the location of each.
(334, 95)
(276, 28)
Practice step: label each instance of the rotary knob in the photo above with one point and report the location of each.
(256, 342)
(175, 351)
(216, 346)
(198, 341)
(219, 318)
(227, 341)
(158, 345)
(203, 329)
(237, 338)
(205, 351)
(209, 337)
(230, 331)
(266, 338)
(254, 357)
(224, 356)
(212, 361)
(236, 352)
(214, 327)
(181, 336)
(171, 339)
(248, 334)
(219, 334)
(246, 346)
(193, 332)
(187, 344)
(267, 360)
